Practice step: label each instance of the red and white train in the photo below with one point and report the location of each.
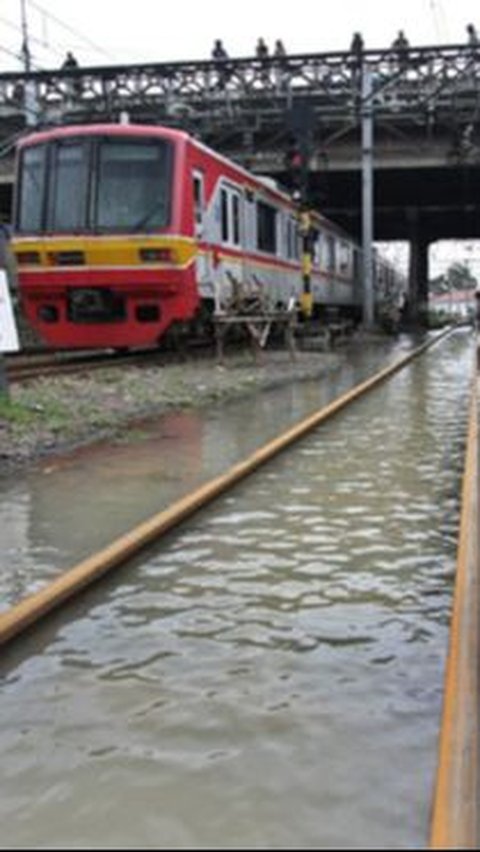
(122, 231)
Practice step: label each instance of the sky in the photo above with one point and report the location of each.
(108, 32)
(101, 32)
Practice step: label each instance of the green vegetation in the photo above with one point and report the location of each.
(436, 319)
(457, 277)
(27, 413)
(13, 412)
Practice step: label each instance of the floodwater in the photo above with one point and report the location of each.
(65, 509)
(271, 675)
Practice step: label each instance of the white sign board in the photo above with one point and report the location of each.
(8, 329)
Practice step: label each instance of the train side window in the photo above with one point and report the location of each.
(291, 238)
(344, 260)
(198, 203)
(316, 247)
(266, 227)
(224, 215)
(331, 253)
(235, 218)
(230, 216)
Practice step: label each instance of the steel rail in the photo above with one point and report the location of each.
(34, 607)
(53, 366)
(454, 823)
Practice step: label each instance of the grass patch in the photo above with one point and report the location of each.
(27, 413)
(15, 412)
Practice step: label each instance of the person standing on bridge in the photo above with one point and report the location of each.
(473, 40)
(69, 62)
(218, 52)
(472, 35)
(357, 48)
(280, 53)
(281, 62)
(220, 55)
(261, 51)
(401, 46)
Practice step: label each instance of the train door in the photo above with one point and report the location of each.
(231, 275)
(203, 261)
(198, 204)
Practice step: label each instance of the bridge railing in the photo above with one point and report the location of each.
(424, 75)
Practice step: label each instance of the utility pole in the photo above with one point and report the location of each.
(27, 63)
(29, 94)
(367, 195)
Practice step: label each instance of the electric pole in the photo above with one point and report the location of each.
(29, 94)
(27, 64)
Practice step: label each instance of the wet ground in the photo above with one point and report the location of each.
(270, 676)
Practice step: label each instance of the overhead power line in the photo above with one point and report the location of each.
(32, 38)
(68, 28)
(10, 52)
(44, 46)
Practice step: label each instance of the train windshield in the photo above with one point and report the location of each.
(133, 186)
(68, 179)
(32, 189)
(99, 184)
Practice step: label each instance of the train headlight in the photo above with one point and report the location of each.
(48, 313)
(157, 255)
(27, 257)
(147, 313)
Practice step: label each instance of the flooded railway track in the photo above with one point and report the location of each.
(288, 621)
(24, 366)
(28, 611)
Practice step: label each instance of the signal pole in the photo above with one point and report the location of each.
(301, 121)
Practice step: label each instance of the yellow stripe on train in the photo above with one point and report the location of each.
(103, 251)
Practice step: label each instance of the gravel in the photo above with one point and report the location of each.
(56, 414)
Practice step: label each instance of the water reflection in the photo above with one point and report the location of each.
(68, 507)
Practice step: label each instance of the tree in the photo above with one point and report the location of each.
(459, 277)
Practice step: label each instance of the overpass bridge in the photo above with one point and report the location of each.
(424, 103)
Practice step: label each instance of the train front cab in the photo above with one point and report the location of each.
(103, 251)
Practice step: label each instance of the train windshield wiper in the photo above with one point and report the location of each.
(146, 218)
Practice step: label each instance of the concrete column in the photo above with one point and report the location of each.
(418, 270)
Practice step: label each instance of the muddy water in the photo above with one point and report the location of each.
(271, 676)
(65, 509)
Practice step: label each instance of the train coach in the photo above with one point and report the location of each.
(124, 231)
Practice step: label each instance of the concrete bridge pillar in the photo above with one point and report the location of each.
(418, 271)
